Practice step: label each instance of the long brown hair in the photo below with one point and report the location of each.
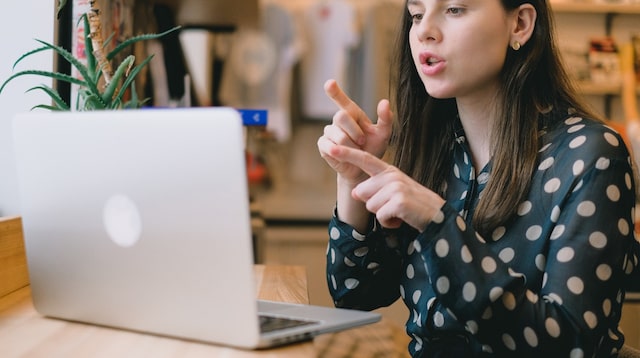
(533, 80)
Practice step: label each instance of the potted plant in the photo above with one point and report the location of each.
(101, 87)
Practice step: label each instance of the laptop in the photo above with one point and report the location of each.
(140, 220)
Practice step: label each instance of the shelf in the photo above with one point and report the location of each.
(567, 6)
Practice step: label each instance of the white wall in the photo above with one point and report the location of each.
(20, 23)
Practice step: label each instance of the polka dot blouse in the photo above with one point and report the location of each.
(549, 282)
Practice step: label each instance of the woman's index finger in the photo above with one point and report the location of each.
(333, 90)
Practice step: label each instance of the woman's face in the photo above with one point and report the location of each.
(459, 46)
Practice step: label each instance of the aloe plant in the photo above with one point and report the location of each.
(99, 86)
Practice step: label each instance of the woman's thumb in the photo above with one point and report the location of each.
(385, 116)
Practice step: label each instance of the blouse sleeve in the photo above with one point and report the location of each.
(583, 262)
(362, 270)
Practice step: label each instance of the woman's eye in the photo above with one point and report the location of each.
(416, 17)
(454, 10)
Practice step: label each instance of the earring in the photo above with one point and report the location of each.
(516, 45)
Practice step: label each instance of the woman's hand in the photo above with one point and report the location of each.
(389, 193)
(352, 128)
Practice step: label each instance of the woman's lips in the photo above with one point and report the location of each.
(431, 64)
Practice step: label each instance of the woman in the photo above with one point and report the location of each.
(505, 223)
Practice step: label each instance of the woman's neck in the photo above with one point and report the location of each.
(476, 121)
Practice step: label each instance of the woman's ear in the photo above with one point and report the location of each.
(525, 17)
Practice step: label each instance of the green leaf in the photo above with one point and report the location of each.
(132, 75)
(82, 69)
(120, 72)
(51, 108)
(29, 54)
(55, 96)
(88, 50)
(94, 102)
(132, 40)
(55, 75)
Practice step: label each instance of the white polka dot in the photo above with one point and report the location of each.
(373, 266)
(606, 307)
(465, 254)
(483, 178)
(334, 284)
(546, 164)
(507, 254)
(469, 291)
(489, 265)
(578, 186)
(540, 261)
(623, 226)
(509, 301)
(461, 224)
(348, 262)
(471, 327)
(411, 249)
(552, 185)
(552, 327)
(456, 171)
(333, 256)
(524, 208)
(598, 240)
(358, 236)
(627, 181)
(443, 285)
(509, 342)
(555, 214)
(612, 139)
(334, 233)
(557, 232)
(498, 233)
(351, 283)
(416, 296)
(575, 285)
(572, 121)
(532, 297)
(442, 248)
(438, 218)
(495, 293)
(545, 147)
(603, 272)
(417, 245)
(613, 193)
(574, 129)
(410, 271)
(603, 163)
(531, 337)
(402, 293)
(586, 208)
(438, 319)
(578, 167)
(361, 251)
(591, 319)
(576, 353)
(565, 254)
(553, 297)
(534, 232)
(577, 142)
(487, 314)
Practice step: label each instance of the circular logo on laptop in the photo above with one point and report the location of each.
(121, 219)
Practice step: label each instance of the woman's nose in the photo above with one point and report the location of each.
(428, 29)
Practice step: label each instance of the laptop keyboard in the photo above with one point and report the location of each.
(273, 323)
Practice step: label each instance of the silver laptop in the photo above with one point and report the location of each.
(140, 220)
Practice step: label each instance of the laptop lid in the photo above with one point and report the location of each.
(140, 220)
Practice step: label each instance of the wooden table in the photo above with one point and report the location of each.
(25, 333)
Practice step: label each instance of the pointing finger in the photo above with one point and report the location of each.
(343, 101)
(367, 162)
